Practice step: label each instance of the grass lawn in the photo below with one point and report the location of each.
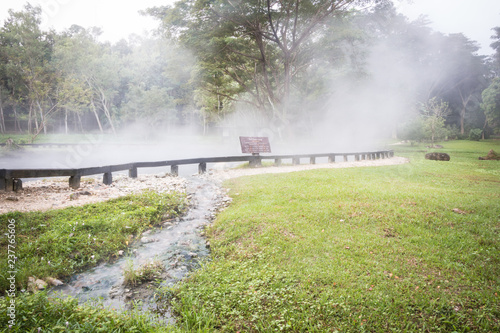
(410, 248)
(362, 249)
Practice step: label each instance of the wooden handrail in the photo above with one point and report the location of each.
(10, 178)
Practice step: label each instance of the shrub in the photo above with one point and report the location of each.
(475, 134)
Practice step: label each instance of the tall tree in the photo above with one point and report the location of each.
(252, 51)
(496, 46)
(28, 50)
(491, 105)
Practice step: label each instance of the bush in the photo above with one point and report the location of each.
(475, 134)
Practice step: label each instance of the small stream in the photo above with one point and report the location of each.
(178, 244)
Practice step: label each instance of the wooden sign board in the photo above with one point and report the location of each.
(254, 145)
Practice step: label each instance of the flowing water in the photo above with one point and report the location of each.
(178, 244)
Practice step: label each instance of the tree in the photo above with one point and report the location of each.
(465, 78)
(496, 46)
(252, 51)
(491, 105)
(434, 113)
(26, 51)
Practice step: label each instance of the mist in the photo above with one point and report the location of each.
(151, 99)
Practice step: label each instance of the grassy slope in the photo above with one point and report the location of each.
(373, 249)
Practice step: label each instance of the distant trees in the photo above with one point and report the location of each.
(71, 82)
(491, 105)
(283, 62)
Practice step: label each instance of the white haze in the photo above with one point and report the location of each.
(358, 114)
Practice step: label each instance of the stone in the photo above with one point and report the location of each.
(74, 196)
(437, 156)
(12, 198)
(120, 253)
(492, 156)
(84, 193)
(54, 282)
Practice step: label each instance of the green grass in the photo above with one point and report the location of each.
(40, 313)
(362, 249)
(148, 271)
(60, 243)
(348, 250)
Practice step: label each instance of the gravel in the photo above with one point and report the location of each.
(55, 193)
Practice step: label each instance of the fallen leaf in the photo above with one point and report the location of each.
(459, 211)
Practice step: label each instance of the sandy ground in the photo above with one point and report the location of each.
(54, 193)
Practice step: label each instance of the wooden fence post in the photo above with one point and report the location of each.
(132, 172)
(312, 160)
(202, 167)
(17, 184)
(174, 170)
(9, 184)
(107, 179)
(277, 162)
(74, 181)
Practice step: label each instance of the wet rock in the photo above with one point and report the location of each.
(437, 156)
(54, 282)
(145, 240)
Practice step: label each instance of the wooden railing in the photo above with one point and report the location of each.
(10, 179)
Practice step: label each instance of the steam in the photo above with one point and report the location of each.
(353, 113)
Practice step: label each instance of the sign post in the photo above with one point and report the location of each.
(255, 146)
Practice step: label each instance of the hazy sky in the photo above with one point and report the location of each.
(118, 19)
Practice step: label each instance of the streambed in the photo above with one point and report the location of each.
(178, 244)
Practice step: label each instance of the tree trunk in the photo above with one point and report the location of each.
(30, 120)
(106, 110)
(16, 120)
(94, 109)
(2, 118)
(462, 120)
(66, 120)
(79, 122)
(42, 118)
